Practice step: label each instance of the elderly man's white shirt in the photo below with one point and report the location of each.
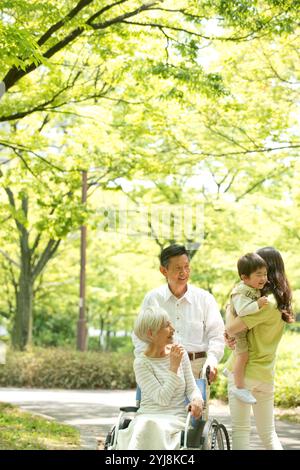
(196, 318)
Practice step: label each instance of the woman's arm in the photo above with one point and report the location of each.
(234, 324)
(160, 394)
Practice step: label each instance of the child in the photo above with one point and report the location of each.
(245, 299)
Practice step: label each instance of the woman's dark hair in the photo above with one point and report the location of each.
(170, 251)
(277, 283)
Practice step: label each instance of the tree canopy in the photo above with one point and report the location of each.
(169, 107)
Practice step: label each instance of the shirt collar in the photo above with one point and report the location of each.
(187, 295)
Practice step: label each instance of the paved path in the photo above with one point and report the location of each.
(93, 412)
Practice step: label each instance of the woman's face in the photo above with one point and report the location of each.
(164, 336)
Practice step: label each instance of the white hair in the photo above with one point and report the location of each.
(151, 318)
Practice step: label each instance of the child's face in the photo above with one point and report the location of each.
(257, 279)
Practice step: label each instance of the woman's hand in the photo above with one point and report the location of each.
(229, 340)
(176, 355)
(196, 408)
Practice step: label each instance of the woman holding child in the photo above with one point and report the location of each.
(265, 322)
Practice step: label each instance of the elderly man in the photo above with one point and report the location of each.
(194, 313)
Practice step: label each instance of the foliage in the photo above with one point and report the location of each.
(61, 368)
(120, 344)
(179, 104)
(294, 327)
(287, 374)
(54, 330)
(20, 430)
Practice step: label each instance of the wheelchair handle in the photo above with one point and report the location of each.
(205, 374)
(186, 428)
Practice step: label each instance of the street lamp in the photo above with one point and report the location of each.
(82, 323)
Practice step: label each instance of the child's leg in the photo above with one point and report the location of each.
(239, 369)
(241, 360)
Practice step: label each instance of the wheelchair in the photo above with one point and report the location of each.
(200, 434)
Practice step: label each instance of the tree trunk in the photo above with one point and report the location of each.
(29, 272)
(22, 330)
(108, 337)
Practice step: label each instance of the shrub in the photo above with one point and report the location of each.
(295, 327)
(60, 368)
(218, 389)
(121, 344)
(287, 373)
(116, 343)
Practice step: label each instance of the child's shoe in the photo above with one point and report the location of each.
(244, 395)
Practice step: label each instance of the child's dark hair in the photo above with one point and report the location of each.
(277, 283)
(250, 263)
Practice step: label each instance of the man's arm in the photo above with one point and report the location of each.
(214, 331)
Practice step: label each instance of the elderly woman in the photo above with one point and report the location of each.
(164, 375)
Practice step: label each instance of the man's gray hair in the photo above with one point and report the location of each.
(150, 318)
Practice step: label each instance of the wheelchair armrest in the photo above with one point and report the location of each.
(129, 409)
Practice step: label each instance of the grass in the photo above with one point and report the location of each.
(287, 371)
(287, 378)
(20, 430)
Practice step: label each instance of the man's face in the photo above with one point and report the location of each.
(257, 280)
(178, 271)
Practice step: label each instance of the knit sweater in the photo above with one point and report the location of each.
(162, 390)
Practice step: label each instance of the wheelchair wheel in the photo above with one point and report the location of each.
(215, 436)
(110, 436)
(225, 436)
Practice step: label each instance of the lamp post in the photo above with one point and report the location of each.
(82, 323)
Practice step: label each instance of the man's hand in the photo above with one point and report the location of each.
(229, 340)
(213, 374)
